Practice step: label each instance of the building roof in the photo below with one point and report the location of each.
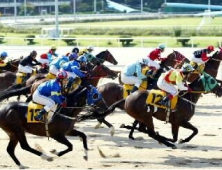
(120, 7)
(194, 6)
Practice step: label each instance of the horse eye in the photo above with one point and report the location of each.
(212, 81)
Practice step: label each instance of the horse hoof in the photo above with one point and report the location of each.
(132, 138)
(180, 141)
(122, 126)
(53, 151)
(85, 158)
(112, 131)
(98, 126)
(50, 159)
(23, 167)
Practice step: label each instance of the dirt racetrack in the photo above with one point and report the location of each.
(204, 151)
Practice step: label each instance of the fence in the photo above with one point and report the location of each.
(142, 42)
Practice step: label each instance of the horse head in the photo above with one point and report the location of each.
(106, 56)
(206, 83)
(101, 71)
(213, 64)
(175, 59)
(12, 65)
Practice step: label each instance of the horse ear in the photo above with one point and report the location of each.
(21, 57)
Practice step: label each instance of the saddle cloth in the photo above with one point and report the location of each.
(33, 110)
(155, 96)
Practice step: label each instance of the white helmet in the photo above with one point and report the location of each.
(144, 61)
(90, 47)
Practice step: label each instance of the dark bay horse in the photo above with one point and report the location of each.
(13, 121)
(135, 105)
(106, 56)
(175, 58)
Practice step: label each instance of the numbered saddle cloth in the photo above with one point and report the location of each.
(155, 96)
(33, 110)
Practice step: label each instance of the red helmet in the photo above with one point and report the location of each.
(210, 48)
(61, 75)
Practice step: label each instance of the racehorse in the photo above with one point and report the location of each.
(106, 56)
(13, 121)
(176, 58)
(137, 107)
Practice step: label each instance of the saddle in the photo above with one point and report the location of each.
(22, 77)
(50, 76)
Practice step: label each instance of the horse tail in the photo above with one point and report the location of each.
(98, 115)
(16, 92)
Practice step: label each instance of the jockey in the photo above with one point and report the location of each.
(129, 71)
(2, 58)
(73, 69)
(47, 58)
(26, 63)
(200, 57)
(156, 55)
(88, 49)
(169, 79)
(49, 93)
(56, 64)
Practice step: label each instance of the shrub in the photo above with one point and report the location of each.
(30, 39)
(70, 40)
(1, 38)
(125, 40)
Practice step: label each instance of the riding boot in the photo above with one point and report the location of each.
(40, 115)
(134, 89)
(166, 100)
(28, 75)
(70, 81)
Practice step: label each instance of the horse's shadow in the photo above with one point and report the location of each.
(189, 162)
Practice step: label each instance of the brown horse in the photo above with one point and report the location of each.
(137, 107)
(13, 121)
(175, 58)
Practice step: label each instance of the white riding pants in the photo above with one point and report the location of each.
(43, 100)
(24, 69)
(131, 80)
(169, 88)
(70, 74)
(53, 69)
(153, 64)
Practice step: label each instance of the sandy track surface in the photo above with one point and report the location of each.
(204, 151)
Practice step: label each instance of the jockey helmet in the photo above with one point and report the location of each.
(187, 68)
(53, 47)
(33, 53)
(90, 48)
(161, 47)
(75, 50)
(3, 55)
(73, 56)
(82, 59)
(144, 61)
(61, 75)
(210, 48)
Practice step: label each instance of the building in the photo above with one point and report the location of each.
(40, 6)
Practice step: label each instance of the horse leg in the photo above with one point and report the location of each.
(62, 139)
(112, 131)
(135, 123)
(83, 137)
(188, 125)
(20, 136)
(99, 124)
(11, 150)
(148, 121)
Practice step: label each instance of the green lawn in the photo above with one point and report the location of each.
(147, 41)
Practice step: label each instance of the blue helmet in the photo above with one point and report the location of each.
(4, 55)
(82, 59)
(73, 56)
